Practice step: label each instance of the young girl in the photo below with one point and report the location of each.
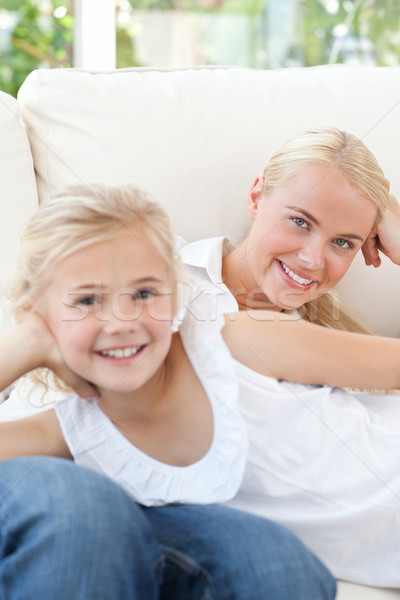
(95, 296)
(96, 293)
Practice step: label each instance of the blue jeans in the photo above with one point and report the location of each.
(71, 534)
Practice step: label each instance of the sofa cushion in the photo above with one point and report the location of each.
(18, 194)
(351, 591)
(197, 138)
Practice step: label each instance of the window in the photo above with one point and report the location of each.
(263, 34)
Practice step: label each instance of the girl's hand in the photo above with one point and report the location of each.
(42, 343)
(385, 237)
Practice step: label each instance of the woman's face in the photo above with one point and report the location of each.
(304, 236)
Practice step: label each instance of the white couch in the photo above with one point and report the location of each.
(195, 139)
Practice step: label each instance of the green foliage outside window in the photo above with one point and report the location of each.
(36, 33)
(328, 30)
(41, 36)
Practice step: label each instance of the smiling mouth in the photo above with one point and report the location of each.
(296, 278)
(121, 352)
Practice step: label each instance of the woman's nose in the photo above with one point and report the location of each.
(312, 256)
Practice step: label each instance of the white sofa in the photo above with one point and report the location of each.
(195, 139)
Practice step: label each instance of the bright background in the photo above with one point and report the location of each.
(263, 34)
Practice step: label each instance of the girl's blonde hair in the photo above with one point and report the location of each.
(337, 150)
(80, 217)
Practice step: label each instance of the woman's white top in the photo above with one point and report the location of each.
(322, 461)
(95, 443)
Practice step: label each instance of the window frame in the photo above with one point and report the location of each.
(94, 38)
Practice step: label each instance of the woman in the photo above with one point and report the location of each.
(328, 172)
(322, 461)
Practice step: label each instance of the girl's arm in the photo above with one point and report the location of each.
(21, 351)
(38, 435)
(280, 346)
(26, 347)
(31, 345)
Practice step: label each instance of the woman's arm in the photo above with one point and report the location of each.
(280, 346)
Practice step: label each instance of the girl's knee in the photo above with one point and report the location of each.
(264, 559)
(63, 493)
(72, 506)
(287, 565)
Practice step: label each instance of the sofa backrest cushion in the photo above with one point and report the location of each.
(197, 138)
(18, 194)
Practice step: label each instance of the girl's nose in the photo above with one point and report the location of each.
(122, 316)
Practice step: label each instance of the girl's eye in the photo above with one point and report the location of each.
(300, 222)
(87, 300)
(344, 243)
(144, 294)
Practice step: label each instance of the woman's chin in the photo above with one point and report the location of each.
(295, 299)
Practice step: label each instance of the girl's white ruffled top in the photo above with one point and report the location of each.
(95, 443)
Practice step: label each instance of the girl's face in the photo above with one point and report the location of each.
(304, 236)
(110, 307)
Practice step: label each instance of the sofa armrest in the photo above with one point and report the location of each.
(351, 591)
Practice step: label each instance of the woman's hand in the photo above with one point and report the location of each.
(385, 237)
(42, 345)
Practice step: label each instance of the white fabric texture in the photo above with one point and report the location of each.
(96, 444)
(322, 461)
(209, 297)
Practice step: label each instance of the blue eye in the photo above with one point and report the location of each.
(343, 243)
(300, 222)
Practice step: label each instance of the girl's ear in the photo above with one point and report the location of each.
(30, 303)
(26, 302)
(254, 198)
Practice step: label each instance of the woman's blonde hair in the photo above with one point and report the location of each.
(80, 217)
(337, 150)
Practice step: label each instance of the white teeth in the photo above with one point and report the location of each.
(121, 352)
(294, 276)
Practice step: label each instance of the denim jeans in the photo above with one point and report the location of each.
(67, 533)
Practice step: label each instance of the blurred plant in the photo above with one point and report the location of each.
(40, 35)
(343, 31)
(231, 6)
